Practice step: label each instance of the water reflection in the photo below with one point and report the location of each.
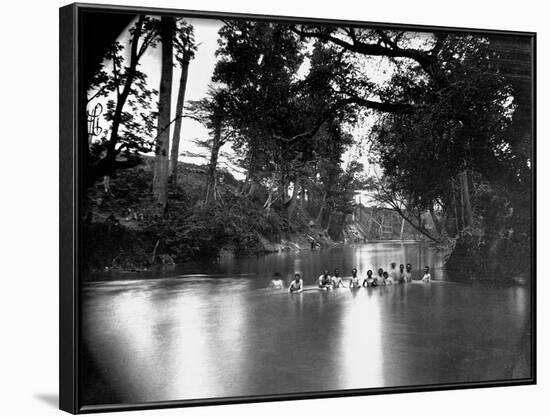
(222, 333)
(310, 263)
(361, 353)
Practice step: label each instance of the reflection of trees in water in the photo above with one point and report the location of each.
(256, 272)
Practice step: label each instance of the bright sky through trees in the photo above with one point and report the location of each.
(378, 69)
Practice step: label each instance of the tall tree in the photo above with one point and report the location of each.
(185, 51)
(258, 63)
(219, 102)
(278, 110)
(160, 172)
(128, 106)
(214, 112)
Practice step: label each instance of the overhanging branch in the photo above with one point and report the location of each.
(391, 50)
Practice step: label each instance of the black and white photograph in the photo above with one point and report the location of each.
(280, 208)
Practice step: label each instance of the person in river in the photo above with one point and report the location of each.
(401, 273)
(426, 277)
(407, 276)
(297, 285)
(394, 274)
(276, 282)
(324, 281)
(369, 281)
(388, 280)
(354, 280)
(337, 281)
(380, 276)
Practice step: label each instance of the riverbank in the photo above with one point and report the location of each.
(131, 247)
(124, 232)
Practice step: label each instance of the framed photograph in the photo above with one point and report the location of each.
(261, 208)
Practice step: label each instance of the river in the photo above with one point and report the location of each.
(215, 330)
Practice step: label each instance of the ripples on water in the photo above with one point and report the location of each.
(222, 333)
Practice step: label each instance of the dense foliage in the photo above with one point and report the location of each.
(449, 140)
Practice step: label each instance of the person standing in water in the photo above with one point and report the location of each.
(337, 281)
(324, 281)
(387, 279)
(369, 281)
(276, 282)
(427, 277)
(394, 275)
(401, 273)
(354, 280)
(408, 273)
(297, 285)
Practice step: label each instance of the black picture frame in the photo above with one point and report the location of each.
(75, 49)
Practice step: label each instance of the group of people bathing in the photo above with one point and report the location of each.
(327, 281)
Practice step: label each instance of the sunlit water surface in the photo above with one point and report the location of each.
(221, 332)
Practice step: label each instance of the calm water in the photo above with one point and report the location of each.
(220, 332)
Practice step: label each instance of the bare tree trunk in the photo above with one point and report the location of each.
(154, 256)
(319, 218)
(455, 204)
(269, 201)
(436, 222)
(212, 167)
(271, 193)
(467, 206)
(328, 223)
(370, 215)
(284, 188)
(122, 97)
(174, 152)
(252, 183)
(160, 174)
(462, 221)
(294, 197)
